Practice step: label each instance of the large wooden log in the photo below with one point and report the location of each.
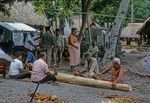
(61, 77)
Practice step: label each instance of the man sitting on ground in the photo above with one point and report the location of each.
(116, 71)
(93, 49)
(90, 68)
(16, 70)
(40, 70)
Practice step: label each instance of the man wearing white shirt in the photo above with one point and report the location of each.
(91, 68)
(29, 43)
(16, 70)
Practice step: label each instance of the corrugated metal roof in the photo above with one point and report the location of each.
(16, 26)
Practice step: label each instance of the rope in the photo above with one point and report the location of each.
(99, 14)
(106, 15)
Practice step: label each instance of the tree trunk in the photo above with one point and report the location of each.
(86, 5)
(66, 78)
(61, 25)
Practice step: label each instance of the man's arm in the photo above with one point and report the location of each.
(92, 68)
(85, 67)
(104, 71)
(62, 41)
(53, 74)
(46, 70)
(36, 38)
(97, 49)
(52, 40)
(29, 40)
(71, 42)
(51, 31)
(121, 73)
(21, 68)
(42, 39)
(31, 43)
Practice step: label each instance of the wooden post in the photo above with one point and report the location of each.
(132, 10)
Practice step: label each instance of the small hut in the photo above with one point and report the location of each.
(129, 36)
(144, 31)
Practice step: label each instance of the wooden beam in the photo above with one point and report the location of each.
(66, 78)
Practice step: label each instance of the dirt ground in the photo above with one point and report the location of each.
(12, 91)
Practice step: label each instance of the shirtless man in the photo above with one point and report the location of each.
(116, 71)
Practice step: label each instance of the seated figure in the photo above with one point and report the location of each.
(93, 49)
(16, 70)
(116, 71)
(91, 68)
(40, 70)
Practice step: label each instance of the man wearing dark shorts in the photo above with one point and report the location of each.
(40, 71)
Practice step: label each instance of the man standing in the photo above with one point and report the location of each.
(29, 45)
(74, 48)
(59, 47)
(40, 71)
(47, 41)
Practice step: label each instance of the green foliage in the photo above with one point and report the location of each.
(55, 8)
(108, 10)
(39, 6)
(4, 9)
(141, 10)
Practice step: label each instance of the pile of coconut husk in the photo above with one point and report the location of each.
(42, 97)
(121, 99)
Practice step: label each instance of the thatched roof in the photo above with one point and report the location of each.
(130, 30)
(24, 12)
(145, 29)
